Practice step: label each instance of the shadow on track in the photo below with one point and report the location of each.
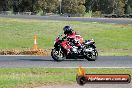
(35, 60)
(51, 60)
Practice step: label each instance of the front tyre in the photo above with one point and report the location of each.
(57, 55)
(92, 56)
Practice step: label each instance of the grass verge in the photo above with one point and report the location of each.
(31, 77)
(111, 39)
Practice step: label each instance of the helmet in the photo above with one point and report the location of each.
(67, 30)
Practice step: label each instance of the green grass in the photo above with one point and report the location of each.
(110, 39)
(31, 77)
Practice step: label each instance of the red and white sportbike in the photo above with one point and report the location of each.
(74, 48)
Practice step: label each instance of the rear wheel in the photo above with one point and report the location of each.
(57, 54)
(92, 56)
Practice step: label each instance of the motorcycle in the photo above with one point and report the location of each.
(74, 49)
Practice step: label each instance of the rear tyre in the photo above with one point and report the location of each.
(57, 55)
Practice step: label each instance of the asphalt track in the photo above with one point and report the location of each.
(84, 19)
(48, 62)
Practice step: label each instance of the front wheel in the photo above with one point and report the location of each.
(92, 56)
(57, 54)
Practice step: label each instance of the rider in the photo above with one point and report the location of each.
(68, 31)
(71, 35)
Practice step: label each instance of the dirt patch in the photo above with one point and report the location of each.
(47, 52)
(40, 52)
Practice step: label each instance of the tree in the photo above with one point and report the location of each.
(17, 5)
(119, 7)
(105, 6)
(73, 7)
(129, 7)
(25, 5)
(89, 5)
(5, 5)
(1, 5)
(48, 6)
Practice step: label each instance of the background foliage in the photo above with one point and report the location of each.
(71, 7)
